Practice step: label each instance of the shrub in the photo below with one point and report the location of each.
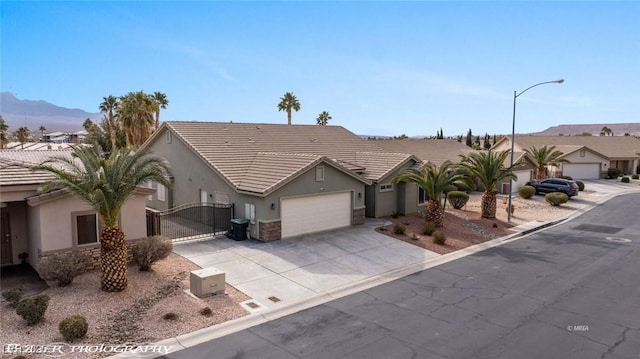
(450, 188)
(625, 179)
(580, 185)
(614, 173)
(556, 198)
(73, 327)
(526, 192)
(32, 309)
(414, 236)
(458, 199)
(636, 176)
(398, 228)
(62, 268)
(428, 228)
(13, 296)
(150, 250)
(395, 214)
(206, 311)
(438, 237)
(170, 316)
(513, 209)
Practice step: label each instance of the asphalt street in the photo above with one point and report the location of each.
(571, 291)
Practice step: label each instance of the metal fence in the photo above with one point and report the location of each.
(190, 220)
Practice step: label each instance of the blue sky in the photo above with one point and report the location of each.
(382, 68)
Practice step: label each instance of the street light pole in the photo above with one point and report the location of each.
(513, 135)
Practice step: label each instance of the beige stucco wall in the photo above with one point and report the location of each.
(133, 219)
(589, 157)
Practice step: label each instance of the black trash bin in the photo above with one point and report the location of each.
(239, 229)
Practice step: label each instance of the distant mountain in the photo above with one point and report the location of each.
(41, 113)
(619, 129)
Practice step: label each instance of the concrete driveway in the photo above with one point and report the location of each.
(289, 270)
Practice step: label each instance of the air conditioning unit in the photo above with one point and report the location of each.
(206, 282)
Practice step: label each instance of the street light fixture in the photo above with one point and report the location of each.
(513, 134)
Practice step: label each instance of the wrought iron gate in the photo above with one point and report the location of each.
(190, 220)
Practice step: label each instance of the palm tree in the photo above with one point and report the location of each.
(433, 180)
(106, 184)
(161, 102)
(543, 157)
(287, 103)
(488, 168)
(42, 129)
(135, 113)
(22, 134)
(4, 138)
(323, 118)
(606, 131)
(107, 107)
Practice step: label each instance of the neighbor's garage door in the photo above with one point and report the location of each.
(581, 170)
(315, 213)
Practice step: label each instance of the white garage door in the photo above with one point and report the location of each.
(315, 213)
(524, 176)
(581, 170)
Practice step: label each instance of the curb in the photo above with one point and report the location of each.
(188, 340)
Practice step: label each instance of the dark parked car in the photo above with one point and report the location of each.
(555, 185)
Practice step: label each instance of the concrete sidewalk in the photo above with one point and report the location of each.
(281, 272)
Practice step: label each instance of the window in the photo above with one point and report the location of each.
(386, 187)
(168, 136)
(422, 196)
(203, 196)
(149, 184)
(319, 173)
(582, 153)
(250, 212)
(161, 192)
(86, 229)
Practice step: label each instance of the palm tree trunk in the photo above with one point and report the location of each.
(113, 254)
(112, 131)
(289, 116)
(489, 204)
(434, 213)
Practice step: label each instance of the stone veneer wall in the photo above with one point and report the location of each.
(270, 231)
(358, 216)
(93, 252)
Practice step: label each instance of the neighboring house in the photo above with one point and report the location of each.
(38, 146)
(437, 151)
(42, 224)
(588, 157)
(286, 179)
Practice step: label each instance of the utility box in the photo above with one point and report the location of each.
(206, 282)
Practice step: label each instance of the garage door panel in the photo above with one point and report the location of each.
(315, 213)
(581, 170)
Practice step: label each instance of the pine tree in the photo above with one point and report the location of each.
(469, 139)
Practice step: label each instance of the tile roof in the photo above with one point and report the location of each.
(609, 146)
(15, 166)
(259, 157)
(431, 150)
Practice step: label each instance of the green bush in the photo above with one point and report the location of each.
(62, 268)
(150, 250)
(458, 199)
(614, 173)
(13, 296)
(625, 179)
(556, 198)
(73, 327)
(32, 309)
(398, 228)
(580, 185)
(636, 176)
(526, 192)
(428, 228)
(438, 237)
